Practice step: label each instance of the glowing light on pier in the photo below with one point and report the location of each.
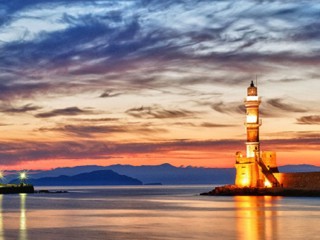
(23, 176)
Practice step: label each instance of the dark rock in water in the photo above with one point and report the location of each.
(231, 190)
(16, 188)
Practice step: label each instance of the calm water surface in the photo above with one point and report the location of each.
(155, 212)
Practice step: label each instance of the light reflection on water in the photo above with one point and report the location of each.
(23, 218)
(256, 217)
(151, 212)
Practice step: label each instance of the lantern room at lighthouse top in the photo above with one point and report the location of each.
(252, 93)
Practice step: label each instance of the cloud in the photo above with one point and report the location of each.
(108, 94)
(285, 107)
(77, 47)
(302, 135)
(122, 37)
(230, 107)
(309, 120)
(305, 141)
(22, 90)
(270, 108)
(185, 124)
(159, 113)
(23, 109)
(70, 111)
(18, 151)
(95, 119)
(92, 131)
(287, 80)
(85, 131)
(204, 125)
(215, 125)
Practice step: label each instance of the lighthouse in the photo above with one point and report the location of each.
(257, 171)
(255, 168)
(247, 167)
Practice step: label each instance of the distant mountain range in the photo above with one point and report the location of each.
(146, 174)
(165, 173)
(95, 178)
(299, 168)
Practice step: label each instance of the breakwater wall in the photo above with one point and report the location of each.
(303, 180)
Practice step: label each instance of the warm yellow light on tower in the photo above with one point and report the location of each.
(245, 181)
(251, 118)
(252, 98)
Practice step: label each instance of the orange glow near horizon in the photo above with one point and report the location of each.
(195, 158)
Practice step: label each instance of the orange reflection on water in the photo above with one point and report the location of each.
(256, 217)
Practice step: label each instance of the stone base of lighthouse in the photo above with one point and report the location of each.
(247, 174)
(255, 171)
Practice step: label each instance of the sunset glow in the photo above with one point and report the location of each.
(152, 82)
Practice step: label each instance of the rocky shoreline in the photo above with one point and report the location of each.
(231, 190)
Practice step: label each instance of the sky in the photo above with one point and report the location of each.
(146, 82)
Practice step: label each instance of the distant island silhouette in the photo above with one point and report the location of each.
(95, 178)
(165, 174)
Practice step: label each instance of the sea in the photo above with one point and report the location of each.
(155, 212)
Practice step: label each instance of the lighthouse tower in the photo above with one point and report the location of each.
(255, 168)
(248, 172)
(253, 122)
